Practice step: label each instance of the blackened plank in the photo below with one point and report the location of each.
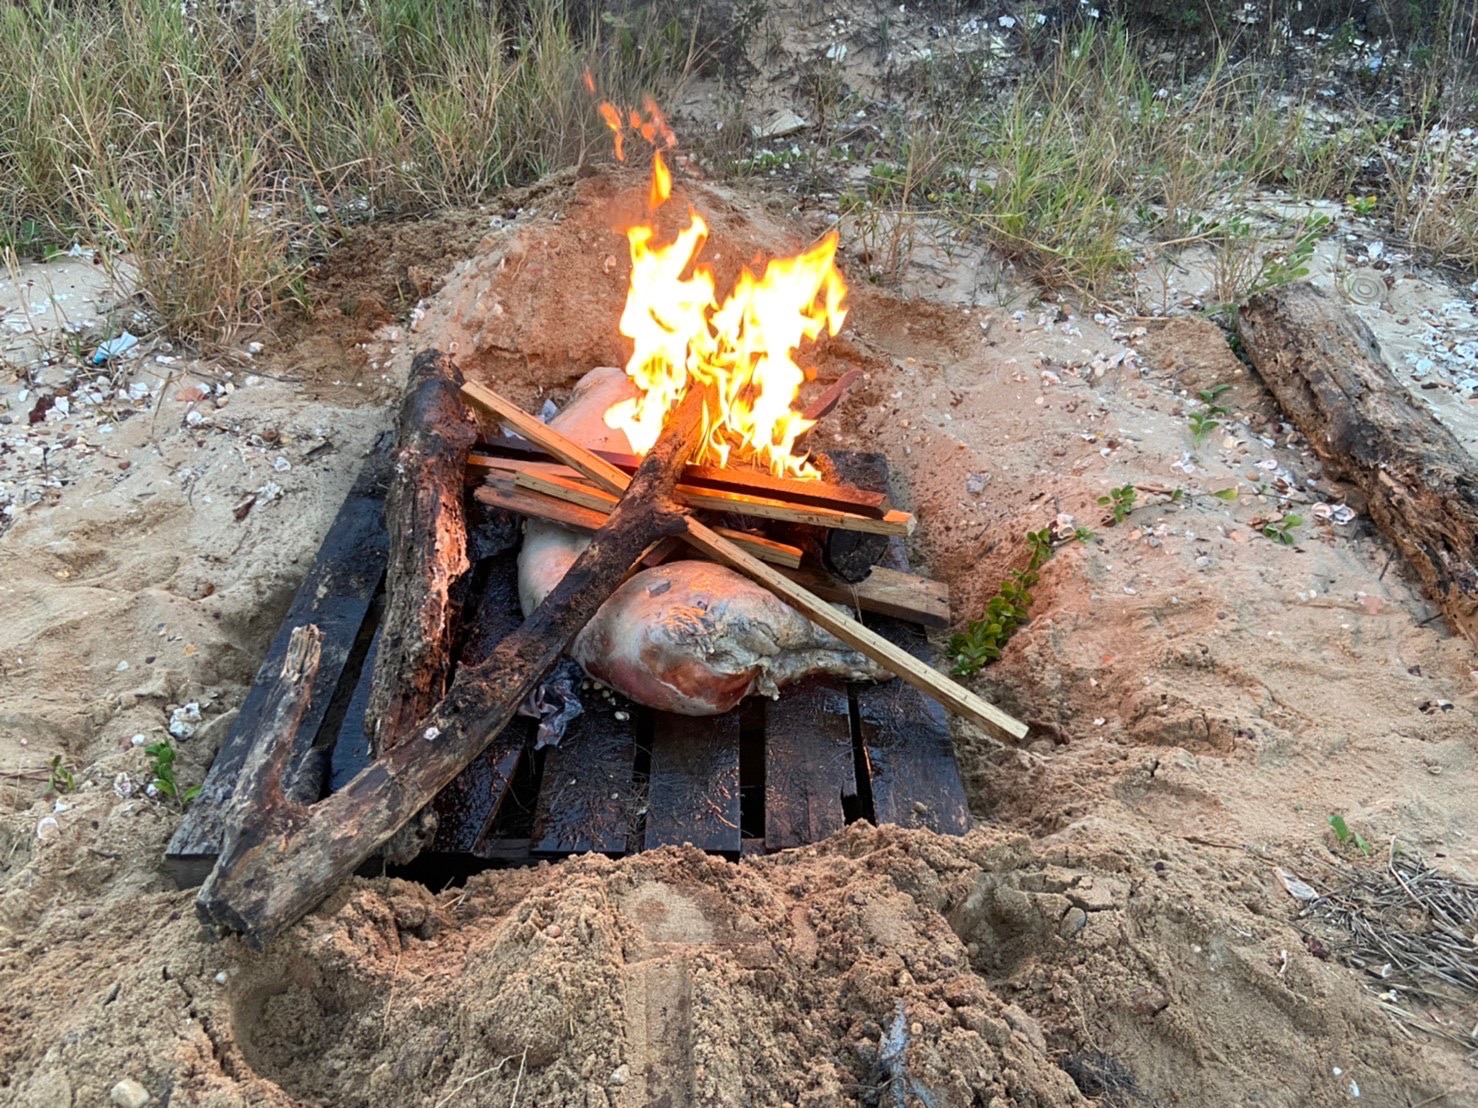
(336, 593)
(588, 800)
(809, 763)
(910, 754)
(693, 790)
(352, 747)
(466, 808)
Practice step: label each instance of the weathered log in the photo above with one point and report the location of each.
(1325, 369)
(260, 805)
(272, 873)
(428, 550)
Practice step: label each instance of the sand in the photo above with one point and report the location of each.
(1201, 699)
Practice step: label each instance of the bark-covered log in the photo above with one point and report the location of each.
(1325, 369)
(270, 875)
(428, 550)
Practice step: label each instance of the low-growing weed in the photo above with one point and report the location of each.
(1206, 419)
(1343, 835)
(1280, 530)
(980, 643)
(161, 757)
(61, 778)
(1120, 502)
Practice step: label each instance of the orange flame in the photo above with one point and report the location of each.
(741, 349)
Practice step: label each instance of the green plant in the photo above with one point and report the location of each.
(981, 642)
(161, 757)
(1343, 834)
(1361, 205)
(1119, 502)
(61, 777)
(1208, 418)
(1280, 530)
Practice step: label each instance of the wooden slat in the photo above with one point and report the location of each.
(910, 753)
(538, 506)
(810, 763)
(885, 591)
(507, 455)
(588, 800)
(693, 790)
(335, 594)
(578, 491)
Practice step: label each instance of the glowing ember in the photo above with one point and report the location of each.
(743, 349)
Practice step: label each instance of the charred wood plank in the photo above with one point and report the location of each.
(589, 800)
(428, 550)
(693, 790)
(809, 764)
(264, 881)
(335, 596)
(466, 808)
(915, 778)
(1325, 369)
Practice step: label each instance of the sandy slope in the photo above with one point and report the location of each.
(1201, 698)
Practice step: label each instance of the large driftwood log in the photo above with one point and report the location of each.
(1325, 369)
(428, 551)
(282, 858)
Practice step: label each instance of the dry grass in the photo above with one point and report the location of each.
(222, 146)
(1414, 932)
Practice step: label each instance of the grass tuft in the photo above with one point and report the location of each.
(222, 146)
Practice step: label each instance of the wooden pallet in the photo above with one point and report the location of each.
(767, 776)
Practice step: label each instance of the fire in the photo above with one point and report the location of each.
(741, 349)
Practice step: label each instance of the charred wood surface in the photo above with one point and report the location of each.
(852, 554)
(589, 797)
(810, 764)
(264, 882)
(1325, 369)
(428, 550)
(693, 792)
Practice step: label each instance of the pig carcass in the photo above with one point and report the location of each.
(689, 637)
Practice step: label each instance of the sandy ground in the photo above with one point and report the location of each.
(1201, 700)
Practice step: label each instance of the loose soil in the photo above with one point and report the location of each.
(1200, 697)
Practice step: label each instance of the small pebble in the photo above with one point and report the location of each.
(1073, 922)
(553, 931)
(253, 348)
(47, 828)
(620, 1075)
(128, 1093)
(221, 978)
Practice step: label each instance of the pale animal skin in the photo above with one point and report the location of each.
(688, 637)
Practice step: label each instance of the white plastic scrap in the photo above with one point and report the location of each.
(184, 719)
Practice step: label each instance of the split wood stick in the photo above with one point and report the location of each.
(578, 491)
(920, 675)
(510, 454)
(275, 870)
(923, 677)
(602, 472)
(539, 506)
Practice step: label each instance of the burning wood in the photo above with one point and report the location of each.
(843, 627)
(689, 637)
